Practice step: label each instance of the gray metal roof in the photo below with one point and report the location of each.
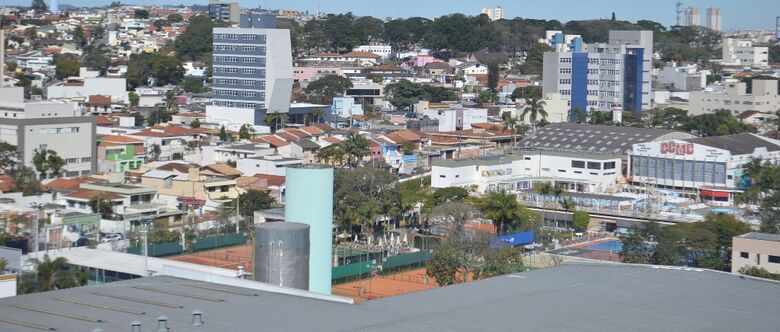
(737, 144)
(595, 138)
(573, 297)
(481, 161)
(761, 236)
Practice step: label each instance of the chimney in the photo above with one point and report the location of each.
(162, 324)
(197, 318)
(135, 326)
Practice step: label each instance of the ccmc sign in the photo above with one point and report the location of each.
(680, 149)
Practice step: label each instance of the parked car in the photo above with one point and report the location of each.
(111, 238)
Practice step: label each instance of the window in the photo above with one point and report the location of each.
(442, 176)
(609, 165)
(774, 259)
(86, 159)
(592, 165)
(72, 160)
(744, 255)
(577, 164)
(562, 171)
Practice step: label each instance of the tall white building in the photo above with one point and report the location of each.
(493, 14)
(252, 75)
(615, 74)
(691, 17)
(713, 18)
(738, 52)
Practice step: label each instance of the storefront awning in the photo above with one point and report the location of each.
(713, 193)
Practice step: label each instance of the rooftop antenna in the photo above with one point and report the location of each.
(679, 9)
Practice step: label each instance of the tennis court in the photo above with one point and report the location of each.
(605, 250)
(384, 286)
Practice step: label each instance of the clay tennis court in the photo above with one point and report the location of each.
(384, 286)
(227, 258)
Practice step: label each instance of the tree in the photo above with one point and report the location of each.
(67, 66)
(99, 204)
(501, 207)
(493, 75)
(404, 93)
(534, 108)
(578, 115)
(25, 180)
(97, 60)
(510, 122)
(39, 6)
(443, 266)
(332, 154)
(172, 101)
(253, 200)
(79, 38)
(527, 92)
(361, 195)
(141, 14)
(153, 69)
(196, 42)
(8, 156)
(499, 262)
(637, 244)
(486, 96)
(328, 87)
(444, 195)
(195, 123)
(318, 114)
(580, 221)
(192, 85)
(243, 132)
(159, 115)
(223, 134)
(138, 118)
(407, 148)
(174, 18)
(534, 60)
(50, 275)
(115, 4)
(356, 146)
(759, 272)
(453, 215)
(134, 99)
(47, 162)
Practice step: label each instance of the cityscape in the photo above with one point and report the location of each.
(216, 167)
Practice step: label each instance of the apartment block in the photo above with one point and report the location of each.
(738, 52)
(763, 98)
(610, 75)
(252, 75)
(52, 126)
(714, 18)
(760, 250)
(228, 12)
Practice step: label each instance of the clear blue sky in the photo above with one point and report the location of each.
(737, 14)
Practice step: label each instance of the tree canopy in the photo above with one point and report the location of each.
(404, 93)
(160, 69)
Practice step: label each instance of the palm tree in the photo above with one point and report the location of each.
(501, 207)
(271, 119)
(50, 275)
(171, 102)
(318, 115)
(546, 189)
(578, 115)
(534, 107)
(355, 146)
(510, 122)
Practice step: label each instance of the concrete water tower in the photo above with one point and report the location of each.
(309, 200)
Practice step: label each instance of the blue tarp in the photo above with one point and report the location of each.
(514, 240)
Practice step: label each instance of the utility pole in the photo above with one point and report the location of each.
(238, 216)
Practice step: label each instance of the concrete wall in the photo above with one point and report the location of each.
(758, 252)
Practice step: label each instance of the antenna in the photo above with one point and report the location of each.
(679, 9)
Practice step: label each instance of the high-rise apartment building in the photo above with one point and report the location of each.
(228, 12)
(607, 76)
(691, 17)
(714, 18)
(493, 14)
(252, 72)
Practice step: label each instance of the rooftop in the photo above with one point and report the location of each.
(481, 161)
(607, 297)
(738, 144)
(761, 236)
(595, 138)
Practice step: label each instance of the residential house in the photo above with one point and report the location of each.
(117, 154)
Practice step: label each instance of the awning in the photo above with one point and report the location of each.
(713, 193)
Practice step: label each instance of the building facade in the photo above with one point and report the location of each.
(742, 53)
(759, 250)
(616, 74)
(228, 12)
(714, 18)
(252, 75)
(763, 98)
(385, 51)
(692, 17)
(52, 126)
(709, 166)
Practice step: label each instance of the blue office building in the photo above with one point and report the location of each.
(606, 76)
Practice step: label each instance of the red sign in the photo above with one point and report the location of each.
(679, 149)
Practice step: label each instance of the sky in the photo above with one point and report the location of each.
(737, 14)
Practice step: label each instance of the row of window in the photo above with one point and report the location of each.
(76, 160)
(242, 59)
(235, 93)
(224, 103)
(66, 130)
(235, 70)
(592, 164)
(678, 169)
(233, 81)
(771, 258)
(243, 48)
(234, 36)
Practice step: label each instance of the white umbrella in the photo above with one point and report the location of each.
(369, 240)
(381, 242)
(405, 241)
(398, 240)
(355, 238)
(392, 237)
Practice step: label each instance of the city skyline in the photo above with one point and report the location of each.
(736, 15)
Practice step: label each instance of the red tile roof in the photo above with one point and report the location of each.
(272, 140)
(359, 54)
(386, 67)
(313, 130)
(104, 121)
(120, 139)
(332, 140)
(273, 180)
(323, 127)
(298, 133)
(99, 100)
(88, 194)
(70, 183)
(287, 136)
